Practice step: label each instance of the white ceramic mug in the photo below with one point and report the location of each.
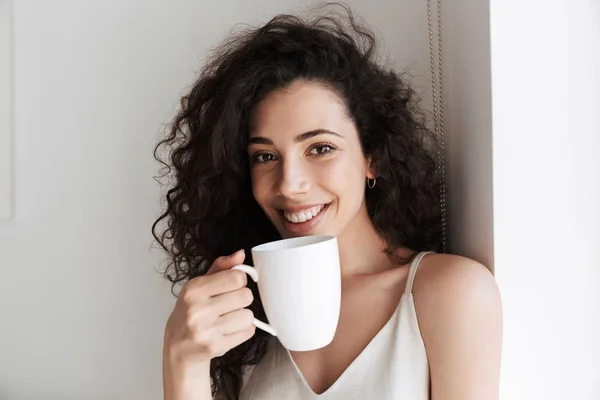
(299, 282)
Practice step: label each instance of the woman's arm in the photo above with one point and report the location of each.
(460, 317)
(184, 383)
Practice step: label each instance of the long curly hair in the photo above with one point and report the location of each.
(210, 210)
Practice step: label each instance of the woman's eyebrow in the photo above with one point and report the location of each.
(300, 138)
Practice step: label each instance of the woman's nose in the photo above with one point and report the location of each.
(294, 179)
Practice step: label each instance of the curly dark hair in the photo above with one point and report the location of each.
(210, 210)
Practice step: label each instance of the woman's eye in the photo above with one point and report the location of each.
(321, 150)
(262, 158)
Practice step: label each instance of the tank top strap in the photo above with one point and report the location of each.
(412, 271)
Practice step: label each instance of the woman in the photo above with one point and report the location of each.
(292, 129)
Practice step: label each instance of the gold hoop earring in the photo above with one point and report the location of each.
(371, 185)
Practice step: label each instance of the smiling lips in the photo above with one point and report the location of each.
(298, 217)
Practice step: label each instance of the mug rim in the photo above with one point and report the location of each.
(296, 242)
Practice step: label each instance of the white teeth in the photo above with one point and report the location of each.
(304, 215)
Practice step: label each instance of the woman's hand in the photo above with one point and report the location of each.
(208, 320)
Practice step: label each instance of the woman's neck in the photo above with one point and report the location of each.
(362, 248)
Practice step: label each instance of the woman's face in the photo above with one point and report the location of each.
(307, 166)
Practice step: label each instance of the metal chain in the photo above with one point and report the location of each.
(437, 82)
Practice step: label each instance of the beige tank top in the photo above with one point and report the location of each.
(393, 365)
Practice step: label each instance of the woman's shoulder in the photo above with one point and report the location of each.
(448, 285)
(450, 274)
(459, 312)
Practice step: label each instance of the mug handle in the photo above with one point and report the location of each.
(253, 272)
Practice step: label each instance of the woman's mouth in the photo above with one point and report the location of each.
(304, 215)
(303, 220)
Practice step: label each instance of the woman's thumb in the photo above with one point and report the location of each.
(227, 262)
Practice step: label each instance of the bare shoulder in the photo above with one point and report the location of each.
(443, 277)
(454, 287)
(459, 311)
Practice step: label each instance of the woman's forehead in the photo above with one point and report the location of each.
(300, 108)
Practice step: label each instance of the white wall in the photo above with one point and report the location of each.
(6, 195)
(468, 118)
(82, 307)
(546, 124)
(523, 102)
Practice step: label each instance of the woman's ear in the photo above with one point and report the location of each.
(371, 170)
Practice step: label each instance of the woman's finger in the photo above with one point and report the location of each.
(234, 321)
(227, 262)
(231, 301)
